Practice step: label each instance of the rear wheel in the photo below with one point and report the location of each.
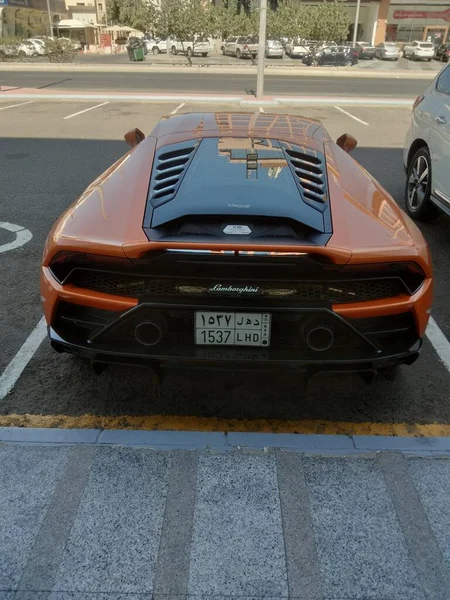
(155, 50)
(347, 63)
(238, 53)
(315, 62)
(418, 186)
(204, 54)
(189, 52)
(429, 60)
(173, 50)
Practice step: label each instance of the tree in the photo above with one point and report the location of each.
(186, 20)
(290, 20)
(137, 14)
(331, 21)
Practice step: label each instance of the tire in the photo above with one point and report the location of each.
(404, 54)
(314, 63)
(238, 53)
(155, 50)
(22, 54)
(417, 193)
(347, 63)
(223, 51)
(189, 52)
(173, 50)
(429, 60)
(35, 54)
(204, 54)
(413, 57)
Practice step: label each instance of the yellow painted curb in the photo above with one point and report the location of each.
(192, 423)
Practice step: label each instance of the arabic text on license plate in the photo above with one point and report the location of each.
(232, 329)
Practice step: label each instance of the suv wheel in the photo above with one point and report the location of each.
(238, 53)
(155, 50)
(189, 52)
(418, 186)
(315, 62)
(347, 62)
(173, 50)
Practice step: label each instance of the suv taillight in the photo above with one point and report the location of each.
(417, 101)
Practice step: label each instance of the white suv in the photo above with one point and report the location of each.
(419, 51)
(427, 151)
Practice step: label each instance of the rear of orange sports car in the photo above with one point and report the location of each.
(237, 241)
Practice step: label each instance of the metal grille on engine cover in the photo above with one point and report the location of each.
(308, 167)
(136, 286)
(171, 163)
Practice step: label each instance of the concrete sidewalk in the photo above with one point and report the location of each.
(112, 520)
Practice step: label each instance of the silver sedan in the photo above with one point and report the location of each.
(274, 49)
(387, 51)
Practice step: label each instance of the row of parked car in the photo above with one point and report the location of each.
(33, 47)
(199, 45)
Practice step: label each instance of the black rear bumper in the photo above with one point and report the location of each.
(359, 344)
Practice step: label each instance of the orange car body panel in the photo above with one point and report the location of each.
(368, 226)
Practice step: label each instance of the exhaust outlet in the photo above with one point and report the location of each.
(150, 333)
(318, 336)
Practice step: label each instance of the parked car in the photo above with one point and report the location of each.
(442, 52)
(387, 51)
(332, 56)
(246, 47)
(419, 51)
(274, 49)
(297, 48)
(150, 285)
(229, 45)
(156, 46)
(365, 50)
(315, 45)
(198, 45)
(25, 48)
(427, 151)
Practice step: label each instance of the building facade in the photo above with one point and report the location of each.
(89, 12)
(25, 18)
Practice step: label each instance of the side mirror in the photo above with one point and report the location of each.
(347, 142)
(133, 137)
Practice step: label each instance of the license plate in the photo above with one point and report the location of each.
(232, 329)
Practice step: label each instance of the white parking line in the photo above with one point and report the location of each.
(80, 112)
(174, 112)
(15, 105)
(22, 236)
(350, 115)
(15, 368)
(439, 342)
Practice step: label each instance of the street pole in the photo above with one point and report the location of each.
(50, 24)
(355, 29)
(261, 48)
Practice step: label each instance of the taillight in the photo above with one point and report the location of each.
(63, 263)
(417, 101)
(410, 273)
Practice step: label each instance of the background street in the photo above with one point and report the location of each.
(218, 83)
(52, 150)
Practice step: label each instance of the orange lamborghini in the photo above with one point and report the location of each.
(237, 240)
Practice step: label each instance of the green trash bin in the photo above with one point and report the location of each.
(136, 53)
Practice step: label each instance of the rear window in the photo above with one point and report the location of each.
(426, 45)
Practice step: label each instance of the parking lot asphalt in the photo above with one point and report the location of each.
(48, 159)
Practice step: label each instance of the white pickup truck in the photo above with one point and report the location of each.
(199, 45)
(247, 47)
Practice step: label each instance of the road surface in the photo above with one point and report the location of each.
(210, 83)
